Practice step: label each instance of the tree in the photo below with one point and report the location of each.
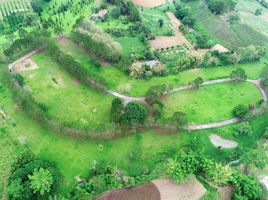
(41, 181)
(19, 78)
(239, 74)
(196, 83)
(179, 118)
(16, 190)
(134, 114)
(161, 22)
(58, 30)
(116, 110)
(37, 6)
(244, 128)
(258, 11)
(240, 111)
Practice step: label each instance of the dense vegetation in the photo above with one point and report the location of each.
(84, 59)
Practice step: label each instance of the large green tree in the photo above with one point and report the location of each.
(41, 180)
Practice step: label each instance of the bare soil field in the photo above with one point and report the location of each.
(226, 192)
(170, 41)
(143, 192)
(165, 42)
(25, 65)
(149, 3)
(192, 190)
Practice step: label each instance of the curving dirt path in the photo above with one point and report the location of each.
(128, 99)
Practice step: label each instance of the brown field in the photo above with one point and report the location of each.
(170, 41)
(143, 192)
(149, 3)
(191, 190)
(161, 189)
(165, 42)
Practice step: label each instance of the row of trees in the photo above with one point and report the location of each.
(96, 41)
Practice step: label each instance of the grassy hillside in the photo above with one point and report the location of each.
(231, 36)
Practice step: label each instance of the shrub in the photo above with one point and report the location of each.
(240, 111)
(239, 74)
(196, 83)
(134, 114)
(244, 128)
(246, 187)
(179, 119)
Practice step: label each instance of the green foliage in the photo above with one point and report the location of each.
(116, 110)
(244, 128)
(134, 114)
(256, 157)
(240, 111)
(27, 182)
(196, 83)
(179, 118)
(220, 6)
(239, 74)
(246, 187)
(41, 181)
(184, 14)
(19, 78)
(155, 93)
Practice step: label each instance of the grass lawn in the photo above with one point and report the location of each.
(211, 103)
(151, 16)
(131, 45)
(8, 152)
(66, 98)
(74, 157)
(118, 81)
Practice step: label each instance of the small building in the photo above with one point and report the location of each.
(220, 48)
(151, 63)
(100, 15)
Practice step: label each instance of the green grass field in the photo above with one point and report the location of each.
(66, 98)
(119, 81)
(211, 103)
(150, 17)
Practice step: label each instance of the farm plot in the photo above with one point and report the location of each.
(67, 100)
(149, 3)
(217, 101)
(151, 17)
(10, 6)
(232, 36)
(246, 10)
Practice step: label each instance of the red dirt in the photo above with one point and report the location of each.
(148, 3)
(143, 192)
(75, 82)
